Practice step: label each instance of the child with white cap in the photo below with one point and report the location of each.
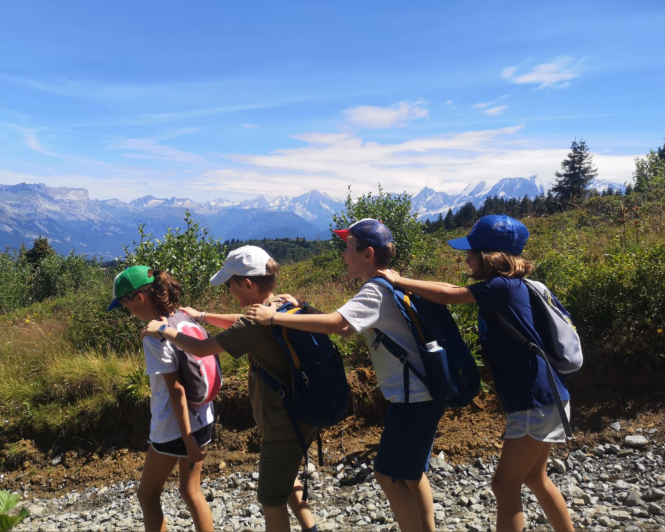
(250, 274)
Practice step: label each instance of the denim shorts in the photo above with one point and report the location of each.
(178, 448)
(407, 439)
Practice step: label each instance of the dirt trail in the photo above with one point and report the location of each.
(463, 435)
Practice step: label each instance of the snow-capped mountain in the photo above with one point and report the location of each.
(71, 220)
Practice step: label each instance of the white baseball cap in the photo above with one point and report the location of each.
(247, 261)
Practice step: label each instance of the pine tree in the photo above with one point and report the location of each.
(577, 171)
(449, 220)
(40, 250)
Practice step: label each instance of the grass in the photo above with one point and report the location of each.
(66, 363)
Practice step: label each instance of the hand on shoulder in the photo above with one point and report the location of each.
(152, 329)
(389, 275)
(261, 314)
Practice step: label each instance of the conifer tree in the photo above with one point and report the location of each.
(40, 250)
(577, 171)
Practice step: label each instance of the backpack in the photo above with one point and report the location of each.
(201, 377)
(451, 373)
(321, 393)
(563, 350)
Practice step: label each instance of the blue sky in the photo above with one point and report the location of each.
(231, 99)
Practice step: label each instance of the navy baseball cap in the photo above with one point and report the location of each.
(497, 232)
(370, 231)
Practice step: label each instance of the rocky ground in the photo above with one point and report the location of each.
(608, 486)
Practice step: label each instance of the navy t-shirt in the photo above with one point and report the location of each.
(520, 377)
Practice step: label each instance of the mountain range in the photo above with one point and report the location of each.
(73, 221)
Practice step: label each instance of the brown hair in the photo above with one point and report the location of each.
(164, 291)
(493, 263)
(266, 283)
(382, 255)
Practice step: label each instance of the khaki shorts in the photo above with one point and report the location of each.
(278, 468)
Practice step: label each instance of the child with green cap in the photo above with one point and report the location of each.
(179, 431)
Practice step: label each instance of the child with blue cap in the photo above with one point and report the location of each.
(493, 248)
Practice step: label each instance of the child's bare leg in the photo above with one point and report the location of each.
(277, 518)
(401, 502)
(548, 495)
(422, 496)
(190, 491)
(518, 457)
(300, 508)
(156, 469)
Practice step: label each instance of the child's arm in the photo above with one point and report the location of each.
(180, 409)
(316, 323)
(432, 291)
(344, 332)
(223, 321)
(200, 348)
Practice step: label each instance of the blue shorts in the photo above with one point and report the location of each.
(407, 439)
(178, 448)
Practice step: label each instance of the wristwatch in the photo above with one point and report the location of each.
(161, 329)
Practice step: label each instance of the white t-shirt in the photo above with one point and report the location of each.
(160, 359)
(374, 307)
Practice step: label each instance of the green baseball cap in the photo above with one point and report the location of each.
(129, 280)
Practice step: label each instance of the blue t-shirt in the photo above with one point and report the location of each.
(520, 377)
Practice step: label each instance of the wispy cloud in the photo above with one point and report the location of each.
(444, 162)
(555, 74)
(496, 111)
(397, 115)
(481, 105)
(152, 149)
(249, 126)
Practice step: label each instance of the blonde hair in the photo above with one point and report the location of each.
(494, 263)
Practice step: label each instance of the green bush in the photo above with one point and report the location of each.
(394, 210)
(189, 255)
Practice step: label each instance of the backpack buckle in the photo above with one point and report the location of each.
(402, 359)
(377, 340)
(305, 378)
(281, 393)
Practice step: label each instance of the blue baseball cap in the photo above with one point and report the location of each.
(371, 231)
(497, 232)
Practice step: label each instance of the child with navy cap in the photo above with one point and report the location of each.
(493, 248)
(406, 441)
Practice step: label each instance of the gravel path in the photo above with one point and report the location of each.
(609, 487)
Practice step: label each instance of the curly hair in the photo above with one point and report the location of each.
(164, 291)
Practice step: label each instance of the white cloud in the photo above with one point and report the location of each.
(555, 74)
(249, 126)
(481, 105)
(496, 111)
(449, 102)
(508, 72)
(396, 115)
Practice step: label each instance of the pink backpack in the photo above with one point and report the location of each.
(201, 377)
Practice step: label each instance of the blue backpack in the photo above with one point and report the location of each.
(451, 373)
(321, 393)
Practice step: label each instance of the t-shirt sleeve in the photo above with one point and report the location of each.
(362, 312)
(492, 295)
(159, 357)
(242, 336)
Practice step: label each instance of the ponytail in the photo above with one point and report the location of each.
(165, 292)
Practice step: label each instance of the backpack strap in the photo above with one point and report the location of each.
(393, 347)
(534, 348)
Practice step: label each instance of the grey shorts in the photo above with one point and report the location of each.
(542, 424)
(278, 468)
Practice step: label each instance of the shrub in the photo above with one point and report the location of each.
(394, 210)
(190, 255)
